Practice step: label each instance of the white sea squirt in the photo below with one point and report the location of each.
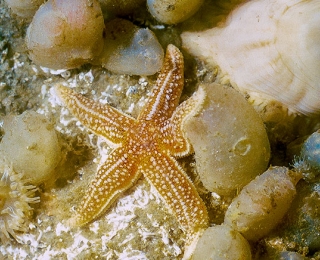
(262, 203)
(268, 49)
(31, 145)
(221, 242)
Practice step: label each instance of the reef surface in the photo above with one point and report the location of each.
(138, 225)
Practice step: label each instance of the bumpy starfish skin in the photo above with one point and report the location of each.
(146, 145)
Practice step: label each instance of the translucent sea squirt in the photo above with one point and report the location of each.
(262, 203)
(173, 11)
(229, 139)
(220, 242)
(31, 145)
(130, 49)
(66, 34)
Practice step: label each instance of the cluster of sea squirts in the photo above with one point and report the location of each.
(68, 34)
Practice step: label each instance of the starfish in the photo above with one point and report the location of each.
(144, 146)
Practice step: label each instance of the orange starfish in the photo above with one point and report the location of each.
(146, 145)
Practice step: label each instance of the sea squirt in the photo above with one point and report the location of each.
(262, 203)
(222, 242)
(311, 150)
(229, 139)
(30, 144)
(173, 11)
(130, 49)
(308, 162)
(302, 223)
(120, 7)
(66, 34)
(268, 49)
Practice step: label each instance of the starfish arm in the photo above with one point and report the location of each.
(180, 146)
(116, 175)
(178, 192)
(101, 119)
(166, 94)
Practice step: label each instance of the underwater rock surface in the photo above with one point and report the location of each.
(138, 225)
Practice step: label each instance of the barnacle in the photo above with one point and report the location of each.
(15, 197)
